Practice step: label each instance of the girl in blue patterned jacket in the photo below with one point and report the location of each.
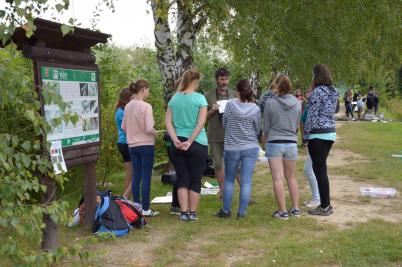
(320, 132)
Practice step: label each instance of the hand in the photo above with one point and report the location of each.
(186, 145)
(215, 107)
(177, 143)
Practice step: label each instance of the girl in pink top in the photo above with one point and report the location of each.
(138, 123)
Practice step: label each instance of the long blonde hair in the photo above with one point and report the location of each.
(187, 78)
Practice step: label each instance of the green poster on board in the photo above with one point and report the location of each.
(79, 90)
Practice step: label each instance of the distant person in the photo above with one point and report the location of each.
(138, 122)
(242, 123)
(370, 101)
(320, 132)
(185, 118)
(215, 130)
(281, 120)
(376, 102)
(124, 99)
(348, 104)
(356, 95)
(360, 107)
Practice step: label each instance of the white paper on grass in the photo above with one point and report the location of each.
(162, 200)
(377, 192)
(56, 155)
(397, 156)
(209, 191)
(222, 105)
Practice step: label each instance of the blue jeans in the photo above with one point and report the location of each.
(308, 171)
(233, 158)
(142, 159)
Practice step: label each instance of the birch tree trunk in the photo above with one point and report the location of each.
(164, 47)
(173, 62)
(255, 84)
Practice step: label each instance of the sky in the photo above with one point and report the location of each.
(131, 23)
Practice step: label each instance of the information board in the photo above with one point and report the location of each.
(79, 90)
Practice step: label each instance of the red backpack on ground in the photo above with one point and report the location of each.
(131, 212)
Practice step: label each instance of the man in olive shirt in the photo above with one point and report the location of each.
(216, 131)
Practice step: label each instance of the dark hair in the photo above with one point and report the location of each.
(187, 77)
(245, 90)
(124, 98)
(321, 75)
(221, 72)
(138, 85)
(284, 85)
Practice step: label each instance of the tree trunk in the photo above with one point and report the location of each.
(185, 38)
(255, 84)
(164, 47)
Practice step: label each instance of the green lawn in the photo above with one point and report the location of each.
(260, 240)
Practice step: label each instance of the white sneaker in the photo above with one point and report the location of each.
(150, 213)
(312, 203)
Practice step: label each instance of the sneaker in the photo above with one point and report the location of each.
(150, 213)
(222, 214)
(239, 216)
(294, 212)
(174, 211)
(184, 216)
(320, 211)
(192, 216)
(282, 215)
(312, 204)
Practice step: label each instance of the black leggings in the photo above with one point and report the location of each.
(175, 198)
(189, 165)
(319, 150)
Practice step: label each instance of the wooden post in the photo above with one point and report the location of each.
(90, 193)
(49, 241)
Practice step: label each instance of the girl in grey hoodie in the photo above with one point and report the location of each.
(242, 123)
(281, 119)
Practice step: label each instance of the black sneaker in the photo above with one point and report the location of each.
(192, 216)
(174, 210)
(282, 215)
(184, 216)
(321, 212)
(222, 214)
(294, 212)
(239, 216)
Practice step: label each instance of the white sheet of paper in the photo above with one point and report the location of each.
(222, 105)
(162, 200)
(209, 191)
(56, 155)
(397, 156)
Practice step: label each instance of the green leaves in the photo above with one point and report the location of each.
(65, 29)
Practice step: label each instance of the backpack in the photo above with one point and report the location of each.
(108, 216)
(209, 168)
(168, 177)
(131, 213)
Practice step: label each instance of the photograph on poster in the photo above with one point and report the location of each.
(92, 89)
(83, 89)
(50, 88)
(89, 106)
(50, 116)
(90, 124)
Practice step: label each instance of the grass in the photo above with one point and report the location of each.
(260, 240)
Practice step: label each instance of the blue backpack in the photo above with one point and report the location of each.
(109, 218)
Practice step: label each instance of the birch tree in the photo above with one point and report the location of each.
(175, 55)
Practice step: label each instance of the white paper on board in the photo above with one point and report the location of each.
(56, 155)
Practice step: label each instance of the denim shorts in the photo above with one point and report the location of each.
(287, 151)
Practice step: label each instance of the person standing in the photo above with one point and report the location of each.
(185, 118)
(348, 104)
(308, 166)
(215, 130)
(124, 98)
(138, 122)
(320, 132)
(281, 120)
(242, 123)
(376, 102)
